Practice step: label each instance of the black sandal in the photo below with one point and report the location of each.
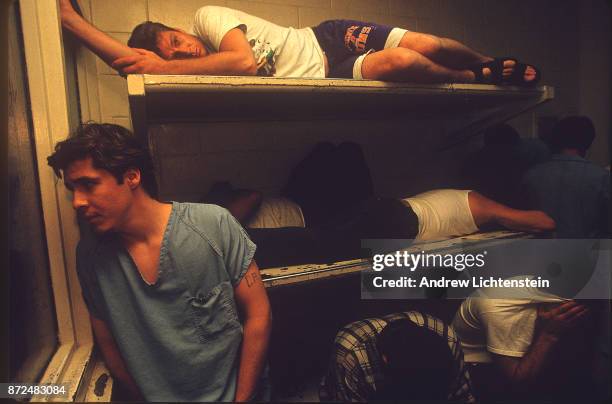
(517, 77)
(497, 71)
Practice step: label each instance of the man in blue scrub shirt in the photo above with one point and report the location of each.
(176, 301)
(574, 191)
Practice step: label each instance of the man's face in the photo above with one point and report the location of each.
(96, 195)
(179, 45)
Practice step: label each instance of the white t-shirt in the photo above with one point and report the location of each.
(489, 322)
(277, 212)
(279, 51)
(442, 213)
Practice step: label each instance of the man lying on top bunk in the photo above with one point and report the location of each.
(328, 207)
(231, 42)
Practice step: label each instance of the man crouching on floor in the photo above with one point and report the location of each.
(164, 282)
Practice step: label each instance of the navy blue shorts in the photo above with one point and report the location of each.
(343, 41)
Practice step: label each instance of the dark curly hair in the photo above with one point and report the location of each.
(573, 132)
(111, 147)
(144, 35)
(420, 364)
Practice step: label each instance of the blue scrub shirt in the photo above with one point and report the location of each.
(180, 337)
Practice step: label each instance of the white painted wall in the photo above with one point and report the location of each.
(559, 36)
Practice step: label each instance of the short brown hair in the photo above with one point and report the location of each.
(573, 132)
(145, 35)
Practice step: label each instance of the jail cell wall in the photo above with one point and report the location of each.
(544, 32)
(404, 158)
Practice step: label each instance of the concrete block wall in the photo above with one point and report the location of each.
(191, 157)
(547, 33)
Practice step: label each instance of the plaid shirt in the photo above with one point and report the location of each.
(356, 367)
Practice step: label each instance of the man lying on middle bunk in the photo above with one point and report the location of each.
(328, 207)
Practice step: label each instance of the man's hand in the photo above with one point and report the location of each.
(552, 322)
(143, 62)
(113, 359)
(555, 320)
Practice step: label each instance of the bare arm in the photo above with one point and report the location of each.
(106, 47)
(112, 357)
(235, 57)
(523, 372)
(485, 210)
(253, 302)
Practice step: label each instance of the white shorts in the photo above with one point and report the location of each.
(393, 40)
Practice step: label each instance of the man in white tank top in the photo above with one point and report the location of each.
(440, 214)
(284, 237)
(444, 213)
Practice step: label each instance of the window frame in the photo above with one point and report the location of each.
(73, 363)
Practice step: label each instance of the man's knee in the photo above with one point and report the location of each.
(425, 44)
(399, 59)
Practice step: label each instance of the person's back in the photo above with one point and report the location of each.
(527, 343)
(397, 357)
(413, 354)
(574, 191)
